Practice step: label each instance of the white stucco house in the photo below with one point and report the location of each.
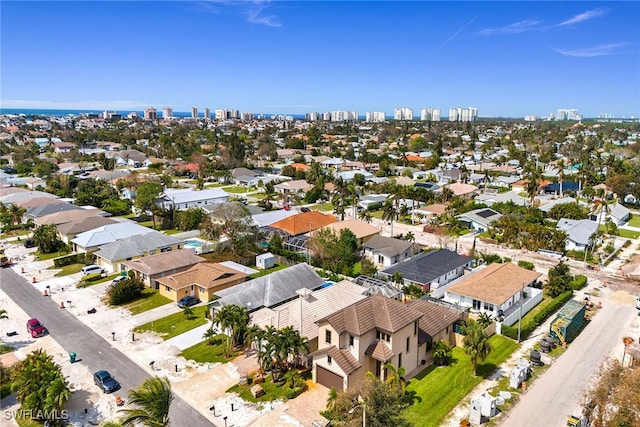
(187, 198)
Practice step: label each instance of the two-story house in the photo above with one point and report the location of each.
(362, 338)
(386, 251)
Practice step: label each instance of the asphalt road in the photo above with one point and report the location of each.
(557, 394)
(94, 351)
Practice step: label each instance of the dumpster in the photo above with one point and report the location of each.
(72, 357)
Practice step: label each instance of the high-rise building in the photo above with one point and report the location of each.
(375, 116)
(194, 112)
(312, 117)
(568, 114)
(167, 112)
(150, 113)
(403, 114)
(463, 114)
(247, 117)
(430, 114)
(343, 116)
(207, 113)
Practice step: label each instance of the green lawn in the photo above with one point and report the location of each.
(267, 271)
(237, 190)
(69, 269)
(629, 234)
(208, 353)
(635, 220)
(257, 195)
(271, 391)
(437, 390)
(175, 324)
(44, 257)
(6, 348)
(322, 207)
(149, 299)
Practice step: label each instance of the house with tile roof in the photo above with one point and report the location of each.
(386, 251)
(152, 267)
(110, 256)
(430, 270)
(202, 280)
(310, 306)
(437, 322)
(304, 222)
(496, 289)
(362, 338)
(91, 240)
(361, 229)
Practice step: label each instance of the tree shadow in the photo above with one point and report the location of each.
(485, 370)
(17, 345)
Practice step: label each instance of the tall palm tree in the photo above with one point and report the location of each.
(153, 400)
(389, 213)
(476, 343)
(395, 376)
(601, 208)
(269, 194)
(16, 213)
(352, 189)
(532, 182)
(233, 319)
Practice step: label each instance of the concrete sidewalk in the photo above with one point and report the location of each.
(189, 338)
(155, 313)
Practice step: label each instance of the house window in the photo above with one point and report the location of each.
(380, 259)
(327, 336)
(168, 289)
(382, 336)
(378, 368)
(488, 307)
(399, 360)
(351, 340)
(415, 328)
(329, 360)
(408, 344)
(476, 304)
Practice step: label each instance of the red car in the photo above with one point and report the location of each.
(35, 328)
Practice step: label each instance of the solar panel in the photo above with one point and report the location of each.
(486, 213)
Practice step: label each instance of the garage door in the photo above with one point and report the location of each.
(329, 379)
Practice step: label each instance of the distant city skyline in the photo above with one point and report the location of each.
(507, 59)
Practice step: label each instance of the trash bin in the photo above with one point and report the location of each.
(72, 357)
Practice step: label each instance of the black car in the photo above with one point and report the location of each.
(188, 301)
(106, 382)
(305, 209)
(29, 243)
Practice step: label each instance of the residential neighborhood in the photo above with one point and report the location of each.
(275, 271)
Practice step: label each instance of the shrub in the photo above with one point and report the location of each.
(124, 291)
(525, 264)
(530, 323)
(491, 258)
(91, 278)
(578, 282)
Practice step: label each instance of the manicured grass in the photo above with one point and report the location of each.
(271, 391)
(629, 234)
(209, 353)
(175, 324)
(322, 207)
(257, 195)
(635, 220)
(437, 390)
(149, 299)
(5, 348)
(69, 269)
(214, 185)
(238, 190)
(267, 271)
(44, 257)
(14, 233)
(105, 279)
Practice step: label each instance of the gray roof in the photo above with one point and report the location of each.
(428, 266)
(109, 233)
(188, 195)
(547, 206)
(509, 196)
(578, 231)
(40, 211)
(484, 216)
(270, 290)
(270, 217)
(619, 211)
(137, 245)
(387, 245)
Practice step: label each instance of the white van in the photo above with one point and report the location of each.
(91, 269)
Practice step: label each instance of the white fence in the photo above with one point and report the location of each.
(536, 298)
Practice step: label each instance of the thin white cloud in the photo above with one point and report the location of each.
(457, 32)
(74, 105)
(253, 10)
(584, 16)
(255, 15)
(515, 28)
(597, 50)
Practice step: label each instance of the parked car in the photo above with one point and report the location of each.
(188, 301)
(91, 269)
(35, 328)
(305, 209)
(106, 382)
(119, 279)
(29, 243)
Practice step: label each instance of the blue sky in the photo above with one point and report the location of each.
(505, 58)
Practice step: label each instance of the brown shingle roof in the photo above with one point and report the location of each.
(375, 312)
(163, 262)
(359, 228)
(343, 358)
(304, 222)
(494, 284)
(435, 317)
(379, 351)
(86, 224)
(208, 276)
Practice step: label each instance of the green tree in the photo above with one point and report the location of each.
(146, 195)
(558, 280)
(234, 320)
(187, 311)
(47, 239)
(476, 343)
(442, 353)
(15, 214)
(235, 222)
(269, 195)
(389, 213)
(153, 400)
(39, 384)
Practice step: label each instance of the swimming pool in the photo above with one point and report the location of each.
(193, 243)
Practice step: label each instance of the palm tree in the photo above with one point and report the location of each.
(476, 343)
(389, 213)
(352, 189)
(16, 213)
(395, 376)
(532, 183)
(600, 208)
(365, 216)
(153, 399)
(561, 175)
(269, 194)
(442, 353)
(187, 311)
(409, 237)
(233, 319)
(210, 335)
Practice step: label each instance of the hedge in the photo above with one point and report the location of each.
(578, 282)
(525, 264)
(529, 323)
(91, 277)
(63, 260)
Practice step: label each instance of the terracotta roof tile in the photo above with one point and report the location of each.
(208, 276)
(304, 222)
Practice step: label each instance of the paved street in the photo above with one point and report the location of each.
(94, 352)
(557, 393)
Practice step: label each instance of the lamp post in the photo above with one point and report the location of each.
(364, 413)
